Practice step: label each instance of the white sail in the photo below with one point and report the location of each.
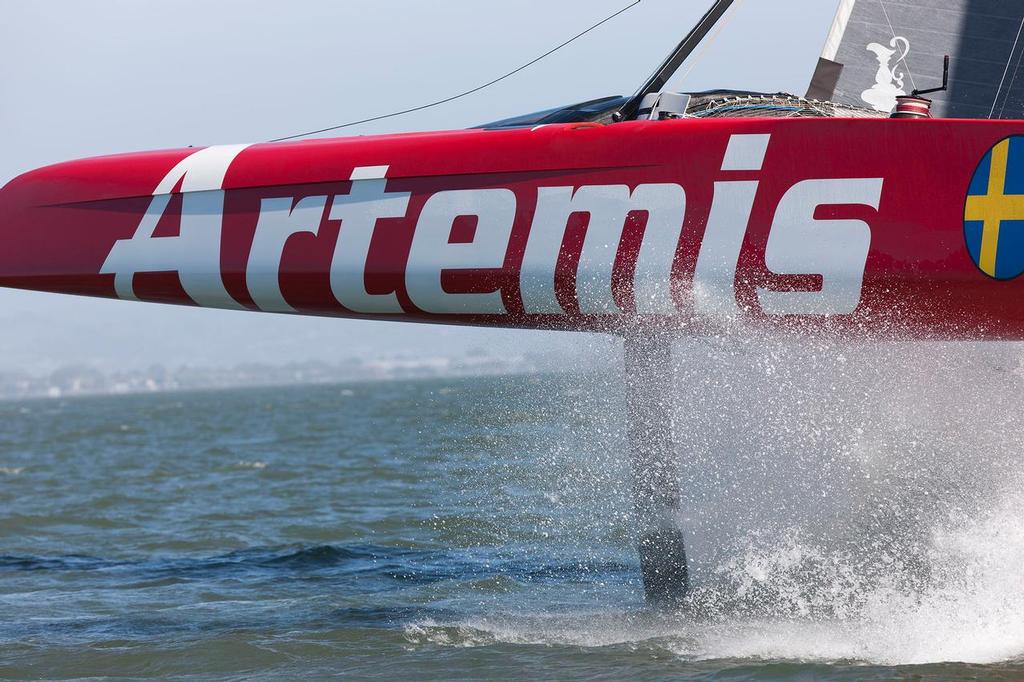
(879, 49)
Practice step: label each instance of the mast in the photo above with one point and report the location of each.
(675, 59)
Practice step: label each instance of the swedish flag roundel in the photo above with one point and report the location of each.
(994, 213)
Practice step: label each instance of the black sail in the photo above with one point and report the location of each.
(878, 49)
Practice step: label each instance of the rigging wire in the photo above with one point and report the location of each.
(467, 92)
(904, 57)
(1006, 71)
(710, 41)
(1009, 90)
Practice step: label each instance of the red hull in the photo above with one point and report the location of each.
(829, 225)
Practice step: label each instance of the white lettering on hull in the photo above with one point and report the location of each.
(835, 249)
(714, 279)
(278, 221)
(797, 242)
(195, 252)
(608, 207)
(433, 252)
(359, 210)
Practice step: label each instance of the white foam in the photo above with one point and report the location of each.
(857, 503)
(245, 464)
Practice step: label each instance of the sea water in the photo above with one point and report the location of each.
(852, 512)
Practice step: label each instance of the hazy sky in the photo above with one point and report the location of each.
(81, 78)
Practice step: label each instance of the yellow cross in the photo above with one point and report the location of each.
(994, 207)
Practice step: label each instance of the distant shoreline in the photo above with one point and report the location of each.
(68, 383)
